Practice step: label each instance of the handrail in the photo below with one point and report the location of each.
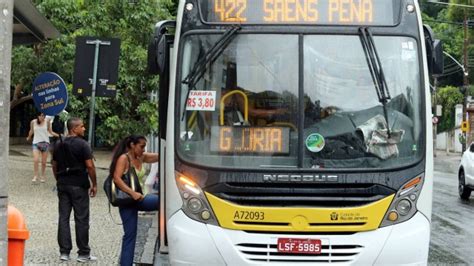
(246, 105)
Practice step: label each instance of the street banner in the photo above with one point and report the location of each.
(50, 93)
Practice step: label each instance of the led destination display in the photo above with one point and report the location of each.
(328, 12)
(265, 140)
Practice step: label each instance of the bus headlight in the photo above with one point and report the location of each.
(403, 206)
(195, 204)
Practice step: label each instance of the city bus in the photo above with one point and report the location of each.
(295, 132)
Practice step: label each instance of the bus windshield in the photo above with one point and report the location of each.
(268, 102)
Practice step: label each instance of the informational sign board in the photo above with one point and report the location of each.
(465, 126)
(439, 110)
(50, 93)
(107, 70)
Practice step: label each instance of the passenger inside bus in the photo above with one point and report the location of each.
(314, 112)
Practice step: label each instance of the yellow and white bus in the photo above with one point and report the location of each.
(295, 132)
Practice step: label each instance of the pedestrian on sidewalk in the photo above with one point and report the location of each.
(39, 129)
(130, 153)
(73, 167)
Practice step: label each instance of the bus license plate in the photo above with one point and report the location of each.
(296, 245)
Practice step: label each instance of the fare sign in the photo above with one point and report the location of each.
(322, 12)
(201, 101)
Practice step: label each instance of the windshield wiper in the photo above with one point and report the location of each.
(376, 70)
(202, 65)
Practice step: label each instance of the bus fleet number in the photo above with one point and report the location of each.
(249, 215)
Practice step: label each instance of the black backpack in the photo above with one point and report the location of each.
(68, 168)
(57, 126)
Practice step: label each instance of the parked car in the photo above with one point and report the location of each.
(466, 173)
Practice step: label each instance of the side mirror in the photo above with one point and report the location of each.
(158, 47)
(434, 52)
(438, 62)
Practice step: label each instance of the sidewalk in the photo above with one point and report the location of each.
(102, 157)
(38, 203)
(448, 163)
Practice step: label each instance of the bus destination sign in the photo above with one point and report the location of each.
(321, 12)
(257, 140)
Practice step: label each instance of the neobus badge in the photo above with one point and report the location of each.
(299, 178)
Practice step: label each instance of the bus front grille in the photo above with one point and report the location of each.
(329, 254)
(289, 194)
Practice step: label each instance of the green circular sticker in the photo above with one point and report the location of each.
(315, 142)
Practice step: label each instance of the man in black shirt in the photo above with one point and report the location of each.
(72, 167)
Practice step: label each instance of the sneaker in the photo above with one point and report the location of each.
(86, 258)
(64, 257)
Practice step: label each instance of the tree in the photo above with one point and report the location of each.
(448, 97)
(430, 10)
(132, 21)
(447, 22)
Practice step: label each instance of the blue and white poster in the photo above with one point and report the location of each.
(50, 93)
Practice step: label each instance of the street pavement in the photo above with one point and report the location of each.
(38, 203)
(447, 162)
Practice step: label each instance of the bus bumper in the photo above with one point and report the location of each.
(191, 242)
(408, 243)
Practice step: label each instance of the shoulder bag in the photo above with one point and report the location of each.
(117, 197)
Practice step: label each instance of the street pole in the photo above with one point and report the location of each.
(465, 80)
(435, 126)
(97, 44)
(6, 25)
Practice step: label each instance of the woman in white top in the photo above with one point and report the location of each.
(39, 129)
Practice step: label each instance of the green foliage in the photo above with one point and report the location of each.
(448, 97)
(429, 9)
(447, 23)
(130, 111)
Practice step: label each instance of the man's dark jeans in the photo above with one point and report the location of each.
(77, 198)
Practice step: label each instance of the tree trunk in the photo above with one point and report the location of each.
(17, 92)
(19, 101)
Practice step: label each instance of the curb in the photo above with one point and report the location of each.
(148, 254)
